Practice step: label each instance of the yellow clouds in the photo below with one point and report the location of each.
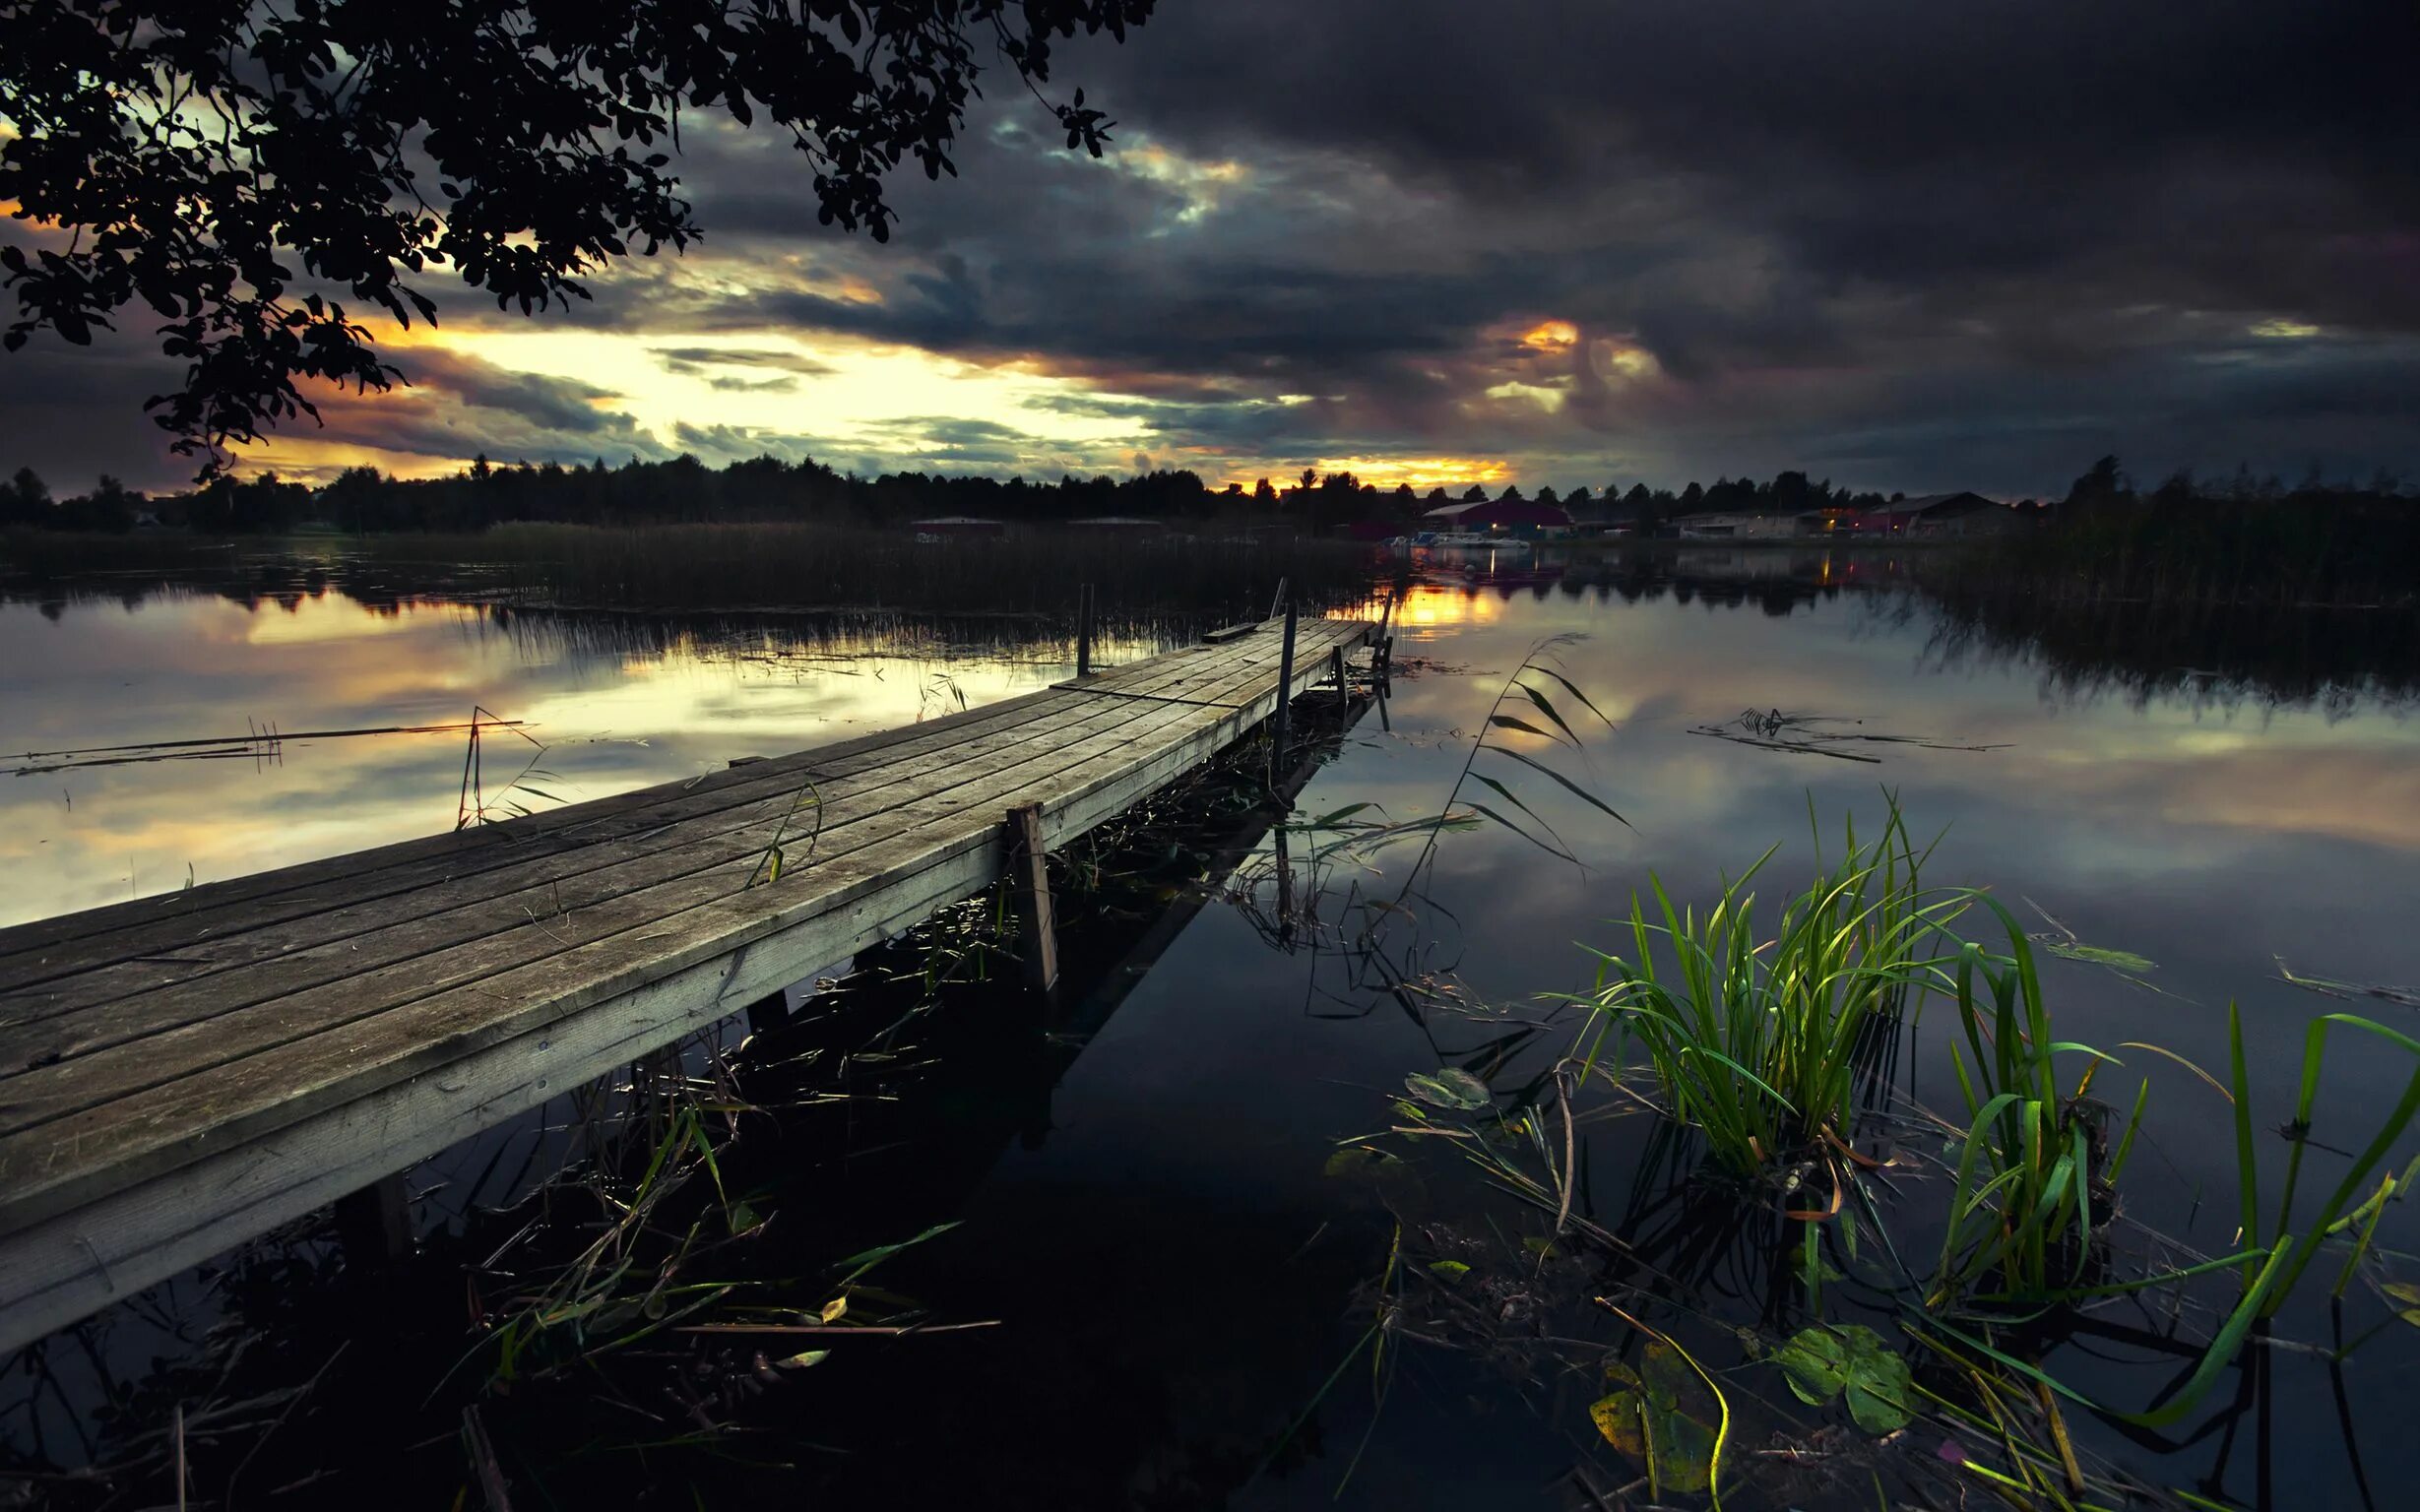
(1201, 185)
(1422, 472)
(1546, 399)
(1551, 336)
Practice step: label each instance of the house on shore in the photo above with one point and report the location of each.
(1725, 526)
(1502, 517)
(1934, 514)
(1119, 523)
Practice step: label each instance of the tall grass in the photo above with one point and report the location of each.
(1763, 1045)
(2034, 1172)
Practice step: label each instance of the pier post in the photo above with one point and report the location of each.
(374, 1224)
(1029, 873)
(1084, 631)
(1278, 728)
(1336, 671)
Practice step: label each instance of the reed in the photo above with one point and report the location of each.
(2033, 1193)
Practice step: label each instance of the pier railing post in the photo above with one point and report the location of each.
(1084, 631)
(1029, 873)
(1279, 725)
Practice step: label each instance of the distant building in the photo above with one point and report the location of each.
(1934, 514)
(1737, 527)
(1119, 523)
(1511, 517)
(955, 526)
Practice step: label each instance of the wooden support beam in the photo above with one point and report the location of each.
(374, 1224)
(1029, 873)
(1280, 721)
(1084, 631)
(1336, 673)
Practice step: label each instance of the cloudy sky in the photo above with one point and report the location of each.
(1907, 245)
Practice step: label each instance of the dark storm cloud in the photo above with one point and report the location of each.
(1821, 222)
(1916, 244)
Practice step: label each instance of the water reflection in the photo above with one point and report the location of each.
(620, 701)
(1173, 1271)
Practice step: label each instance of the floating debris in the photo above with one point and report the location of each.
(1819, 734)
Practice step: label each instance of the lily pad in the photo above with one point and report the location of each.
(1644, 1420)
(1362, 1161)
(1452, 1088)
(1848, 1360)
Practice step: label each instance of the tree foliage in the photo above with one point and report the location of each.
(243, 167)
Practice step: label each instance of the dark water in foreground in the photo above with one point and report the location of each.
(1179, 1284)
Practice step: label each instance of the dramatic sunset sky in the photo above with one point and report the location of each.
(1947, 244)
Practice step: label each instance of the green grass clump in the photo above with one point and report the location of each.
(1763, 1045)
(2034, 1172)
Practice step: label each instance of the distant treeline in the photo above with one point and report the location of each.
(2245, 541)
(768, 489)
(2325, 541)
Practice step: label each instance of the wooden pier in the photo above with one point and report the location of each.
(183, 1073)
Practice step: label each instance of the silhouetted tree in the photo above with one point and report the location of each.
(1475, 494)
(515, 142)
(2105, 484)
(25, 499)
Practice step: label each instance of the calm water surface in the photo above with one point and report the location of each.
(1176, 1275)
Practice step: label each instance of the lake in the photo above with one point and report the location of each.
(1148, 1206)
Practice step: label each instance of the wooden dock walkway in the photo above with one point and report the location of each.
(181, 1074)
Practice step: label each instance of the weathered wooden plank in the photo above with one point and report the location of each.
(245, 1013)
(117, 1001)
(114, 1004)
(82, 1157)
(571, 830)
(281, 999)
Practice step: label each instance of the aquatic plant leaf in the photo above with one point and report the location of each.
(2098, 955)
(1451, 1087)
(805, 1359)
(1644, 1419)
(1356, 1160)
(865, 1260)
(1451, 1270)
(1815, 1365)
(1512, 721)
(1848, 1360)
(2408, 1296)
(832, 1309)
